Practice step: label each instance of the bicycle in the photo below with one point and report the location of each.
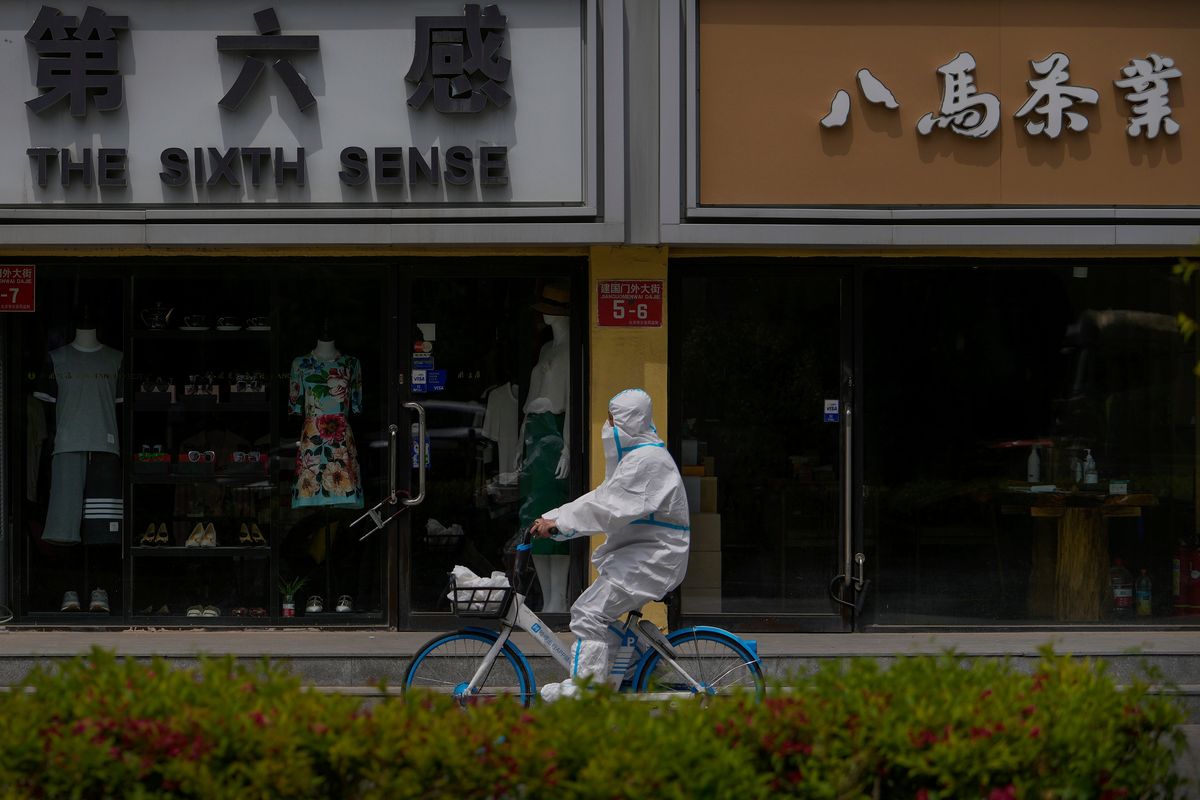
(476, 662)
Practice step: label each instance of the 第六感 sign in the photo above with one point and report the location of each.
(630, 304)
(17, 292)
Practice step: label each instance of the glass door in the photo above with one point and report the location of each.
(760, 422)
(492, 356)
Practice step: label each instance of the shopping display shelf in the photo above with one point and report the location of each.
(221, 551)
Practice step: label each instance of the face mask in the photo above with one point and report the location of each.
(610, 448)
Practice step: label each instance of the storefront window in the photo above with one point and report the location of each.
(494, 365)
(162, 411)
(1030, 443)
(755, 357)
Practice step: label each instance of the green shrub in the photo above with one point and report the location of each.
(927, 727)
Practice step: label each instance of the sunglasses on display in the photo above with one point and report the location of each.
(152, 450)
(247, 455)
(201, 456)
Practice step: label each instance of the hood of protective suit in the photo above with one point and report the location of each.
(633, 422)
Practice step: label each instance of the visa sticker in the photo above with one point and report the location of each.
(833, 411)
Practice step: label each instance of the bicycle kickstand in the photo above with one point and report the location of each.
(376, 515)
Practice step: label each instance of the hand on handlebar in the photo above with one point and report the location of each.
(542, 528)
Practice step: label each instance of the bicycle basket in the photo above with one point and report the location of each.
(486, 602)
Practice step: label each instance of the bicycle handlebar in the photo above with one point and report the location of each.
(521, 562)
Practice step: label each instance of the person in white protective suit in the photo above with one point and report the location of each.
(642, 507)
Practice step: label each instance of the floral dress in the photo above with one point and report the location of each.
(326, 392)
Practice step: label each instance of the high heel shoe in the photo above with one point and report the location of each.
(148, 538)
(196, 536)
(162, 537)
(244, 535)
(209, 538)
(256, 536)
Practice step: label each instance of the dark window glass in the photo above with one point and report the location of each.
(968, 371)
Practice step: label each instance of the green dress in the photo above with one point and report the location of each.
(540, 490)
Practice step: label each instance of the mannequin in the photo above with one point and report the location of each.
(325, 389)
(546, 451)
(83, 382)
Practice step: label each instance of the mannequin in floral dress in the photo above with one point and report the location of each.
(326, 387)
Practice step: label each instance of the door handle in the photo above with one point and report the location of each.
(392, 431)
(421, 456)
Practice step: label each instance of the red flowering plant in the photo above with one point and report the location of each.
(921, 727)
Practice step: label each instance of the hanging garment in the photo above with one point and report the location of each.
(326, 393)
(86, 500)
(500, 423)
(85, 388)
(540, 490)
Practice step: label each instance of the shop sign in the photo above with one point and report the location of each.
(630, 304)
(905, 104)
(18, 287)
(414, 107)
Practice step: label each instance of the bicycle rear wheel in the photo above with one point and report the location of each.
(717, 660)
(448, 662)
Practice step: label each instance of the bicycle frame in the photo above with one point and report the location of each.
(633, 648)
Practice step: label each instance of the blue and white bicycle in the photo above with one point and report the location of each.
(474, 663)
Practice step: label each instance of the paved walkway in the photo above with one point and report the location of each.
(313, 643)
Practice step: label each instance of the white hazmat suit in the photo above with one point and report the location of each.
(642, 508)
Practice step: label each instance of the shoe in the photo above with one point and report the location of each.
(315, 605)
(70, 602)
(99, 601)
(256, 612)
(256, 536)
(345, 603)
(197, 534)
(149, 537)
(163, 610)
(239, 611)
(209, 539)
(210, 611)
(195, 611)
(244, 535)
(162, 537)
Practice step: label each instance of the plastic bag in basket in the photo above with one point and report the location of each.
(486, 602)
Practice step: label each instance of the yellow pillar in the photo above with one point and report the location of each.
(625, 358)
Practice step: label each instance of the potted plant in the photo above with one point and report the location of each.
(288, 589)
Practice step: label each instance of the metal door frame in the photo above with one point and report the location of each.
(849, 531)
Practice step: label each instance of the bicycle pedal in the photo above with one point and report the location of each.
(651, 632)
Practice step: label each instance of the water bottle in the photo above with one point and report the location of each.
(1121, 581)
(1142, 594)
(1033, 466)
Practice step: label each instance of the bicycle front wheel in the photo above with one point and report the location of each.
(715, 659)
(448, 662)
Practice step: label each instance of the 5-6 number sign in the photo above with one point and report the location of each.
(629, 303)
(17, 288)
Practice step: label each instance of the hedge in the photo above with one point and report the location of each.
(925, 727)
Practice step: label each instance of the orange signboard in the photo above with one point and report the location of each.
(770, 70)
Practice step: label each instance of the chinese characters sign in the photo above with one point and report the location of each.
(144, 103)
(928, 103)
(629, 304)
(17, 286)
(975, 114)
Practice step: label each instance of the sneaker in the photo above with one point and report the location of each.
(195, 611)
(99, 601)
(210, 611)
(70, 602)
(345, 603)
(315, 605)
